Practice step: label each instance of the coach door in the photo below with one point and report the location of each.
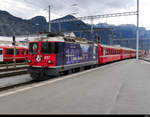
(1, 55)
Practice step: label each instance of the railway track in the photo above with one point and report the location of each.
(11, 64)
(7, 70)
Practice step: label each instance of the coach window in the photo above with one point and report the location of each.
(26, 51)
(22, 51)
(9, 51)
(106, 51)
(17, 51)
(1, 52)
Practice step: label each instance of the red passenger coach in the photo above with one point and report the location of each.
(128, 53)
(108, 53)
(7, 53)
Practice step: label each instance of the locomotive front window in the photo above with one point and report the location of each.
(33, 48)
(49, 48)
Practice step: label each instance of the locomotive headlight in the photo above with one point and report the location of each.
(38, 58)
(50, 62)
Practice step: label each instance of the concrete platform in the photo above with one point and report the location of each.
(146, 58)
(117, 88)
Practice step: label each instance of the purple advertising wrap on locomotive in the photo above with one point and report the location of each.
(76, 53)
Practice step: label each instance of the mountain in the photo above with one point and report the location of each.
(125, 35)
(11, 25)
(77, 26)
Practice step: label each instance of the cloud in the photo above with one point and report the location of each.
(29, 8)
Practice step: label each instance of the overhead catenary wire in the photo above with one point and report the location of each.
(96, 17)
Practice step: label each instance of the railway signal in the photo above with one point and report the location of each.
(14, 41)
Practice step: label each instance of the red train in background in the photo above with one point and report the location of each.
(56, 54)
(7, 54)
(111, 53)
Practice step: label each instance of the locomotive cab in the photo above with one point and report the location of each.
(41, 58)
(42, 54)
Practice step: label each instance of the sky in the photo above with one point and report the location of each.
(28, 9)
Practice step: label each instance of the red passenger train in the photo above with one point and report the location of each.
(111, 53)
(56, 54)
(7, 53)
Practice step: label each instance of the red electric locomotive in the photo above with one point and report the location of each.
(7, 53)
(54, 54)
(108, 53)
